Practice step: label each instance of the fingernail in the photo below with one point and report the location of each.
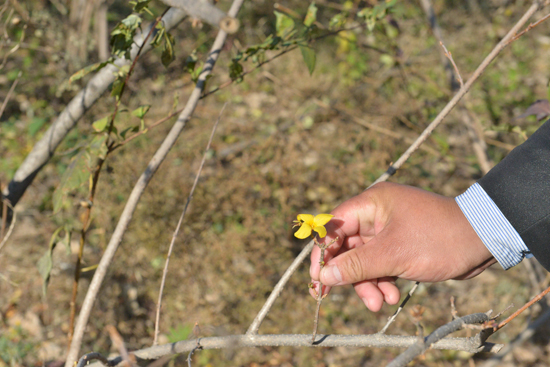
(331, 275)
(366, 302)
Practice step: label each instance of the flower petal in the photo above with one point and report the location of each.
(321, 230)
(304, 231)
(322, 219)
(306, 218)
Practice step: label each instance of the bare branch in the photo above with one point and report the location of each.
(253, 329)
(399, 309)
(537, 298)
(138, 189)
(454, 101)
(176, 232)
(44, 149)
(204, 10)
(531, 26)
(523, 336)
(87, 358)
(449, 56)
(471, 345)
(419, 348)
(14, 84)
(5, 238)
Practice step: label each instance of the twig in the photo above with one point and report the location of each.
(279, 54)
(471, 345)
(118, 343)
(453, 102)
(419, 348)
(85, 359)
(176, 232)
(12, 224)
(531, 26)
(520, 338)
(198, 347)
(253, 328)
(320, 295)
(454, 313)
(523, 308)
(399, 309)
(473, 126)
(96, 173)
(14, 84)
(450, 57)
(140, 186)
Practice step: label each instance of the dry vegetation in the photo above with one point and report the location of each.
(287, 143)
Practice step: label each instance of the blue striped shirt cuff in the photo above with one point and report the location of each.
(492, 227)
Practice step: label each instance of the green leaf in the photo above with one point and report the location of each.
(100, 125)
(87, 70)
(76, 174)
(311, 15)
(45, 263)
(168, 52)
(309, 58)
(191, 61)
(236, 71)
(133, 129)
(140, 5)
(132, 22)
(97, 149)
(284, 25)
(141, 111)
(116, 88)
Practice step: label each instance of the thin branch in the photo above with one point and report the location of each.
(118, 343)
(176, 232)
(399, 309)
(320, 295)
(138, 189)
(450, 57)
(12, 88)
(253, 328)
(473, 126)
(87, 358)
(537, 298)
(97, 170)
(453, 102)
(281, 53)
(419, 348)
(520, 338)
(12, 224)
(198, 347)
(471, 345)
(531, 26)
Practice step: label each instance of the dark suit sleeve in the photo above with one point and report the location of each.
(520, 186)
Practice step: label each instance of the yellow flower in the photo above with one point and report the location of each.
(308, 223)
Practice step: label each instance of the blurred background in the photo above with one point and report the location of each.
(288, 143)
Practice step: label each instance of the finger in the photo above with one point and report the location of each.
(389, 290)
(351, 218)
(370, 294)
(347, 244)
(364, 263)
(314, 289)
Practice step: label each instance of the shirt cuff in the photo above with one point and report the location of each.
(492, 227)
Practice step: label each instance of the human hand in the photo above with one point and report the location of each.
(394, 231)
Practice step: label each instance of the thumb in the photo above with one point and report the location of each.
(358, 264)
